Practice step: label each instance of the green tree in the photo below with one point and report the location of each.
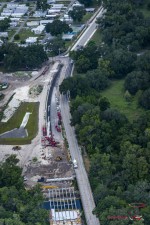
(18, 205)
(10, 173)
(56, 46)
(4, 24)
(57, 27)
(137, 80)
(86, 2)
(144, 99)
(104, 104)
(121, 62)
(82, 64)
(42, 5)
(17, 37)
(77, 13)
(23, 57)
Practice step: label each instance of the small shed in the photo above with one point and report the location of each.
(31, 40)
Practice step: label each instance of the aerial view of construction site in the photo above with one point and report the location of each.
(46, 159)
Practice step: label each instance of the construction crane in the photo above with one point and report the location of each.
(48, 141)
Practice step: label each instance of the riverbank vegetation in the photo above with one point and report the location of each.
(110, 106)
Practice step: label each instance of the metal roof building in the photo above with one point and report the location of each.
(63, 207)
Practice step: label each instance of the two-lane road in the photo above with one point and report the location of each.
(81, 175)
(89, 32)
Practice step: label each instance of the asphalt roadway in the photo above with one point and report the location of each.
(90, 30)
(81, 175)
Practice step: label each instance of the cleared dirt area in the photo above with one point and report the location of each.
(53, 163)
(38, 162)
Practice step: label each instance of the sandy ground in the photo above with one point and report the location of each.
(28, 152)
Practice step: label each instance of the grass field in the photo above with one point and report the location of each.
(115, 95)
(146, 12)
(15, 122)
(25, 33)
(86, 17)
(97, 37)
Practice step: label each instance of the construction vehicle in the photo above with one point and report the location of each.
(48, 141)
(58, 128)
(16, 148)
(44, 131)
(58, 158)
(41, 179)
(49, 187)
(59, 115)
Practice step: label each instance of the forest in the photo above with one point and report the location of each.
(118, 148)
(13, 57)
(19, 206)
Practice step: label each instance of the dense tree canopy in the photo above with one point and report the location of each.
(56, 46)
(42, 5)
(19, 206)
(145, 99)
(57, 27)
(4, 24)
(77, 13)
(86, 2)
(83, 59)
(14, 57)
(123, 24)
(118, 149)
(137, 80)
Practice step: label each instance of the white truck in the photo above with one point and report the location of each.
(75, 165)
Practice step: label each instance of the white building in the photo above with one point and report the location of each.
(6, 10)
(22, 10)
(12, 5)
(39, 29)
(52, 10)
(65, 217)
(13, 24)
(67, 37)
(51, 1)
(2, 17)
(6, 14)
(31, 40)
(44, 22)
(15, 19)
(18, 15)
(33, 23)
(39, 14)
(90, 9)
(4, 34)
(67, 18)
(57, 6)
(22, 6)
(52, 16)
